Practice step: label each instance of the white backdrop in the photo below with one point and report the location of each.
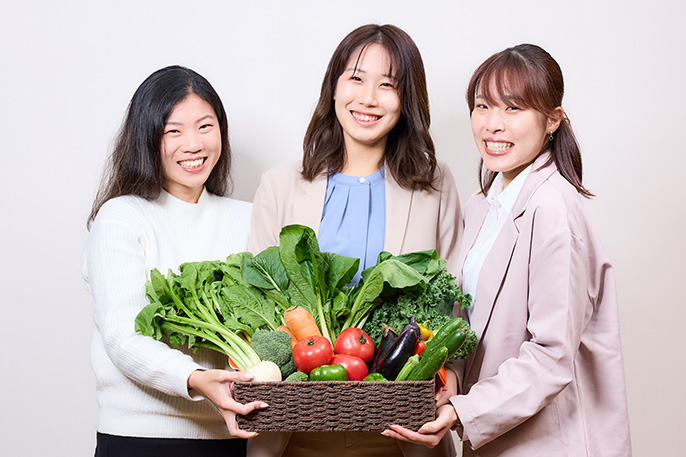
(69, 68)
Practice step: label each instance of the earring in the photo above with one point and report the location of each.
(551, 138)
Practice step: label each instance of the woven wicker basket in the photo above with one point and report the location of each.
(319, 406)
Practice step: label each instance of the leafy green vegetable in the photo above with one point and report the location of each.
(222, 305)
(314, 277)
(276, 347)
(433, 305)
(186, 308)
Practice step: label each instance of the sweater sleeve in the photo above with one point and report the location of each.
(116, 273)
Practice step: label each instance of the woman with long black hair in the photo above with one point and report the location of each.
(162, 203)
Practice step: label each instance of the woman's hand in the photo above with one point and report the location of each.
(217, 387)
(431, 433)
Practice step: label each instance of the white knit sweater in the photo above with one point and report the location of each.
(141, 383)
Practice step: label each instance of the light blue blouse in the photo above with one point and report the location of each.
(354, 218)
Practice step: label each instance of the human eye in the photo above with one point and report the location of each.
(513, 108)
(171, 131)
(206, 126)
(387, 85)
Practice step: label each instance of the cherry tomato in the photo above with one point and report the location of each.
(355, 367)
(354, 341)
(312, 352)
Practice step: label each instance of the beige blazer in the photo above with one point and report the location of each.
(415, 221)
(547, 375)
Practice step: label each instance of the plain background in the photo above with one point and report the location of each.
(69, 68)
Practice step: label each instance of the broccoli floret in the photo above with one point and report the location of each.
(297, 376)
(276, 347)
(432, 306)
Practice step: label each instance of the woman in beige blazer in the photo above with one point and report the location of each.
(547, 375)
(371, 126)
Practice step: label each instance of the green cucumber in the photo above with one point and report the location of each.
(428, 366)
(446, 336)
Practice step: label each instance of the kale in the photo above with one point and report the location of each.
(433, 306)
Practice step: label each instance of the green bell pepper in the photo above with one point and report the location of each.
(329, 373)
(375, 377)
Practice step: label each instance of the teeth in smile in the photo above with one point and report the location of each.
(498, 145)
(191, 163)
(365, 117)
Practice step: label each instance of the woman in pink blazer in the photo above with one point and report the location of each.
(547, 375)
(369, 181)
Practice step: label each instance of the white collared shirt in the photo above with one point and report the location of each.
(500, 203)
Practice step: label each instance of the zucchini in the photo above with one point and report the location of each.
(428, 366)
(447, 336)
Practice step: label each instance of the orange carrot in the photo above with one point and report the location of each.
(441, 379)
(233, 365)
(301, 322)
(284, 328)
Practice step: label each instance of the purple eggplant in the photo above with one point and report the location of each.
(388, 336)
(402, 349)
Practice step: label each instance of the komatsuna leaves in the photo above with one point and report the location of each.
(339, 270)
(266, 272)
(300, 265)
(251, 307)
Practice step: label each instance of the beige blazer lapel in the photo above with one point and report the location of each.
(308, 206)
(398, 205)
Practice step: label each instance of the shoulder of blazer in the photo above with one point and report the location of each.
(540, 173)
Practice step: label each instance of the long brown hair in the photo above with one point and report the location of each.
(527, 76)
(410, 156)
(135, 167)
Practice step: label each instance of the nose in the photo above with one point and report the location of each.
(368, 95)
(192, 142)
(495, 121)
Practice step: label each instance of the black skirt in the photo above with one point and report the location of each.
(128, 446)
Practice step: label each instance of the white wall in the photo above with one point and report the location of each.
(69, 68)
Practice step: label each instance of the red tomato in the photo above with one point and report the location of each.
(355, 341)
(312, 352)
(355, 367)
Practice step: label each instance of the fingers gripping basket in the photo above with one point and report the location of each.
(318, 406)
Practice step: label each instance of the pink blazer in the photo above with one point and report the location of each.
(547, 376)
(415, 221)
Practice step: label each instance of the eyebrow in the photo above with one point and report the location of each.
(357, 70)
(206, 116)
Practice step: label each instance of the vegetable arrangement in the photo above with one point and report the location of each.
(290, 308)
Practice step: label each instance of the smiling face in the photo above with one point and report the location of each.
(366, 101)
(190, 147)
(509, 137)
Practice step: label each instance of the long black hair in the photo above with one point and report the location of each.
(527, 76)
(134, 167)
